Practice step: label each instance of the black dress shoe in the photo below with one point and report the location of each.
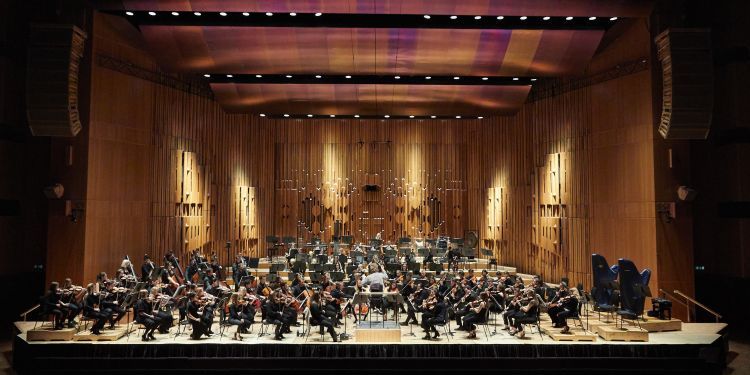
(144, 338)
(426, 337)
(151, 336)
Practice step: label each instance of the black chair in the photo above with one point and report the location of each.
(446, 324)
(533, 320)
(307, 317)
(632, 287)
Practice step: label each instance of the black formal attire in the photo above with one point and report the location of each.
(473, 318)
(318, 318)
(89, 310)
(50, 306)
(238, 318)
(196, 321)
(437, 316)
(142, 309)
(147, 269)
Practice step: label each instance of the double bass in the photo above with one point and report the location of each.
(179, 275)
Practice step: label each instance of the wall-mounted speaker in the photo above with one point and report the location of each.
(688, 83)
(54, 55)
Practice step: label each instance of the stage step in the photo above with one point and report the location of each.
(658, 325)
(626, 333)
(106, 335)
(575, 334)
(48, 334)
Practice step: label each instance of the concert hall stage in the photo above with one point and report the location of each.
(698, 348)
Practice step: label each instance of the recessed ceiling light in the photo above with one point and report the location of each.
(456, 77)
(592, 18)
(458, 116)
(480, 117)
(175, 14)
(223, 14)
(454, 17)
(318, 14)
(523, 18)
(397, 77)
(262, 115)
(245, 14)
(292, 14)
(387, 116)
(288, 76)
(568, 18)
(500, 17)
(533, 79)
(356, 116)
(428, 77)
(207, 75)
(333, 115)
(151, 13)
(433, 116)
(269, 14)
(309, 115)
(286, 115)
(348, 77)
(477, 17)
(427, 16)
(318, 76)
(411, 116)
(484, 78)
(129, 13)
(546, 18)
(613, 19)
(197, 13)
(258, 76)
(515, 78)
(229, 76)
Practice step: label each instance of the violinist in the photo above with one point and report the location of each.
(251, 305)
(414, 299)
(207, 304)
(160, 311)
(333, 304)
(317, 317)
(392, 303)
(526, 313)
(428, 306)
(110, 301)
(147, 269)
(263, 288)
(463, 307)
(72, 296)
(51, 304)
(563, 305)
(144, 315)
(277, 313)
(477, 314)
(513, 306)
(436, 316)
(92, 310)
(237, 316)
(195, 316)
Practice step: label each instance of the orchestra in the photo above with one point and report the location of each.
(163, 295)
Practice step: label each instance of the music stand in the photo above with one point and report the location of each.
(253, 263)
(404, 251)
(414, 267)
(436, 252)
(358, 257)
(403, 240)
(392, 267)
(337, 276)
(391, 253)
(276, 267)
(423, 251)
(328, 267)
(315, 277)
(375, 242)
(437, 267)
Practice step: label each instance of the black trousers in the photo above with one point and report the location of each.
(459, 316)
(100, 318)
(508, 316)
(58, 316)
(471, 319)
(149, 323)
(553, 311)
(164, 320)
(520, 317)
(199, 329)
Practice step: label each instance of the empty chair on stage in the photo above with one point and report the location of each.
(633, 289)
(604, 291)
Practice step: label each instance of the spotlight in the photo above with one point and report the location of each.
(318, 14)
(288, 76)
(484, 78)
(309, 115)
(129, 13)
(175, 14)
(428, 77)
(245, 14)
(269, 14)
(229, 76)
(592, 18)
(427, 16)
(348, 77)
(333, 115)
(546, 18)
(500, 17)
(478, 17)
(568, 18)
(433, 116)
(411, 116)
(356, 116)
(197, 13)
(515, 78)
(456, 77)
(613, 19)
(480, 117)
(458, 116)
(533, 79)
(207, 75)
(397, 77)
(262, 115)
(454, 17)
(223, 14)
(292, 14)
(151, 13)
(286, 115)
(258, 76)
(387, 116)
(318, 76)
(523, 18)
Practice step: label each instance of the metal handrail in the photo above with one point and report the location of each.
(29, 311)
(689, 299)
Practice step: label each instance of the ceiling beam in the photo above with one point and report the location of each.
(325, 79)
(359, 20)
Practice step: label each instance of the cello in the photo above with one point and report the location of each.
(179, 275)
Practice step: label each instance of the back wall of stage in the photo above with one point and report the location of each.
(161, 166)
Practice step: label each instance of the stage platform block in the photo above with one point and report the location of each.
(48, 334)
(377, 331)
(106, 335)
(612, 333)
(658, 325)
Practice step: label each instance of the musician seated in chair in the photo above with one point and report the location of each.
(237, 316)
(513, 306)
(433, 313)
(52, 305)
(476, 315)
(91, 310)
(143, 310)
(110, 304)
(195, 314)
(318, 318)
(562, 306)
(525, 314)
